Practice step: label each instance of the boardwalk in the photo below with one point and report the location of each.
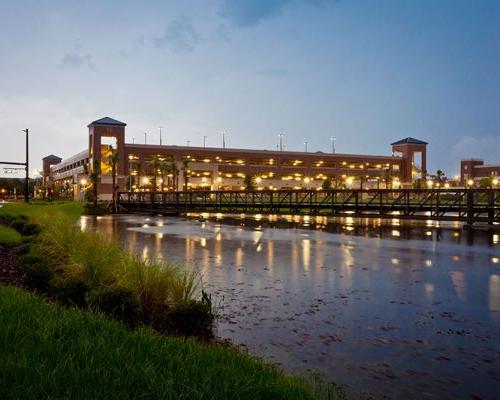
(467, 205)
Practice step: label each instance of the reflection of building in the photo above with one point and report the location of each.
(225, 169)
(475, 169)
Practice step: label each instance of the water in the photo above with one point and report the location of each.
(387, 309)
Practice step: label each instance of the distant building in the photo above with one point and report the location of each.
(474, 169)
(210, 168)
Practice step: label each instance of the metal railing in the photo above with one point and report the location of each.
(468, 205)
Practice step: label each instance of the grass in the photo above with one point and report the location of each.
(71, 209)
(9, 236)
(49, 352)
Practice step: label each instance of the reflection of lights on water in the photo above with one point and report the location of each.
(160, 223)
(218, 236)
(348, 228)
(428, 233)
(395, 233)
(429, 288)
(239, 257)
(159, 235)
(494, 295)
(395, 222)
(203, 242)
(259, 248)
(83, 223)
(257, 235)
(395, 261)
(496, 239)
(455, 258)
(428, 263)
(306, 252)
(458, 280)
(203, 225)
(495, 260)
(349, 220)
(145, 225)
(456, 234)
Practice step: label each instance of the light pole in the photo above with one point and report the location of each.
(280, 136)
(188, 142)
(223, 140)
(204, 141)
(332, 139)
(27, 181)
(145, 138)
(305, 146)
(160, 128)
(133, 140)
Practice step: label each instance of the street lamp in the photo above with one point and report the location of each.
(204, 141)
(280, 136)
(223, 139)
(160, 128)
(470, 183)
(332, 140)
(495, 181)
(305, 146)
(145, 138)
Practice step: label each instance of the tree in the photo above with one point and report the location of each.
(387, 177)
(174, 170)
(164, 169)
(327, 183)
(185, 173)
(94, 178)
(440, 176)
(155, 162)
(113, 160)
(248, 182)
(485, 183)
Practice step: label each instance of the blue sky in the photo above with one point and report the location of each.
(366, 72)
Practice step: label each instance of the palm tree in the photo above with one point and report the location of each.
(164, 169)
(173, 168)
(113, 163)
(155, 162)
(387, 177)
(327, 183)
(249, 182)
(94, 178)
(185, 168)
(440, 175)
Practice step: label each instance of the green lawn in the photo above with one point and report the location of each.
(72, 209)
(49, 352)
(9, 236)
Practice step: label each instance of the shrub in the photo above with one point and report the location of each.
(18, 224)
(23, 248)
(37, 276)
(30, 229)
(71, 291)
(36, 271)
(116, 301)
(193, 317)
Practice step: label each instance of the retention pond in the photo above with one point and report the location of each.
(387, 309)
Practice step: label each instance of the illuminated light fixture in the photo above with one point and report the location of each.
(145, 180)
(344, 163)
(349, 180)
(219, 179)
(429, 183)
(258, 179)
(470, 182)
(495, 181)
(83, 182)
(206, 160)
(239, 161)
(307, 179)
(446, 185)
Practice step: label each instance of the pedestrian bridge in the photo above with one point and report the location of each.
(465, 205)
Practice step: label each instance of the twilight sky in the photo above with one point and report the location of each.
(366, 72)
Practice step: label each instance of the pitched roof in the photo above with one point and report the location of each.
(52, 157)
(107, 121)
(409, 140)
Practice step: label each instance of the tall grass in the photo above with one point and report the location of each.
(49, 352)
(99, 262)
(9, 236)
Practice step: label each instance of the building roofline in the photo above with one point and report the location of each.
(256, 152)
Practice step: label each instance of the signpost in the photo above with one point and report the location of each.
(26, 166)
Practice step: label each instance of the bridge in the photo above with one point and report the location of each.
(465, 205)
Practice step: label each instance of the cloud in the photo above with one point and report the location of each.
(248, 13)
(76, 61)
(180, 36)
(476, 147)
(274, 72)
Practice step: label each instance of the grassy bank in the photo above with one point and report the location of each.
(70, 209)
(58, 353)
(9, 236)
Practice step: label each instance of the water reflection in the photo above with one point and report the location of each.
(408, 316)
